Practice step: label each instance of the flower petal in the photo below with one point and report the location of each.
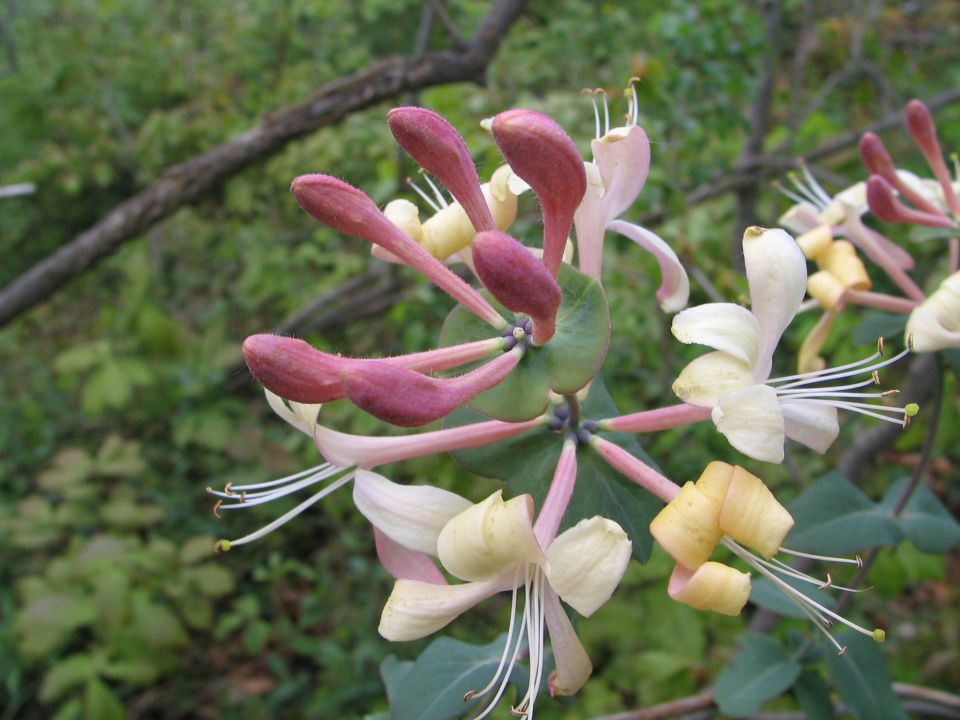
(752, 516)
(801, 218)
(726, 327)
(412, 515)
(712, 586)
(674, 290)
(687, 526)
(710, 377)
(416, 609)
(777, 274)
(935, 324)
(623, 158)
(587, 562)
(810, 424)
(403, 563)
(490, 537)
(573, 666)
(302, 416)
(752, 421)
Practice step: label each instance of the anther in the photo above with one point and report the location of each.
(216, 508)
(843, 651)
(827, 584)
(910, 342)
(880, 346)
(470, 695)
(858, 560)
(876, 377)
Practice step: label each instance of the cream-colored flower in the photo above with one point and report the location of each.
(935, 324)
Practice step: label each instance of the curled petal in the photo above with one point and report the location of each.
(573, 666)
(411, 515)
(752, 421)
(815, 242)
(777, 275)
(587, 562)
(406, 564)
(416, 609)
(726, 327)
(438, 148)
(674, 290)
(708, 378)
(752, 516)
(712, 586)
(810, 424)
(515, 278)
(489, 538)
(542, 154)
(687, 526)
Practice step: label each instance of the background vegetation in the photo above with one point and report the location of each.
(124, 397)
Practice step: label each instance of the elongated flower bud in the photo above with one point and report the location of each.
(924, 132)
(407, 398)
(438, 148)
(542, 154)
(875, 156)
(292, 369)
(885, 205)
(517, 279)
(348, 210)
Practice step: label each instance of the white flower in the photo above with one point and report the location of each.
(935, 324)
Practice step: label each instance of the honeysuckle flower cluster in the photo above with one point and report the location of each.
(521, 355)
(895, 196)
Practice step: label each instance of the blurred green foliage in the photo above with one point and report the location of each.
(121, 400)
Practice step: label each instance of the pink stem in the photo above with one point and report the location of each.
(446, 358)
(954, 255)
(638, 471)
(659, 419)
(858, 232)
(881, 301)
(558, 497)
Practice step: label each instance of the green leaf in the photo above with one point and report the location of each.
(565, 364)
(432, 687)
(813, 696)
(834, 517)
(49, 619)
(924, 520)
(101, 704)
(862, 680)
(527, 463)
(925, 234)
(759, 672)
(158, 626)
(877, 324)
(767, 595)
(67, 674)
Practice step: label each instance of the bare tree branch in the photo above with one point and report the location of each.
(189, 181)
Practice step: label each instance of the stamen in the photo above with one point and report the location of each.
(596, 111)
(806, 192)
(634, 102)
(789, 193)
(317, 474)
(837, 373)
(825, 558)
(814, 185)
(506, 646)
(606, 109)
(423, 195)
(441, 200)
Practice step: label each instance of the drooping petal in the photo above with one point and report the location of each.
(712, 586)
(412, 515)
(752, 516)
(674, 290)
(687, 526)
(752, 421)
(810, 424)
(300, 415)
(417, 609)
(489, 538)
(405, 564)
(777, 275)
(587, 562)
(808, 357)
(367, 452)
(708, 378)
(726, 327)
(573, 666)
(590, 222)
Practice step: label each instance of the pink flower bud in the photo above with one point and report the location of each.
(924, 133)
(293, 369)
(515, 277)
(875, 157)
(885, 205)
(404, 397)
(349, 210)
(438, 148)
(542, 154)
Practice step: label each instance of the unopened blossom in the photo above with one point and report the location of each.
(935, 323)
(752, 410)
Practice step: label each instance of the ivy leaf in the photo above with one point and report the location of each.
(862, 680)
(833, 516)
(527, 463)
(565, 364)
(432, 687)
(759, 672)
(924, 520)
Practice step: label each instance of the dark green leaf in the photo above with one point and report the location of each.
(101, 704)
(861, 678)
(813, 696)
(759, 672)
(878, 324)
(924, 520)
(767, 595)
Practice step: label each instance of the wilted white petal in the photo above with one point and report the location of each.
(777, 274)
(573, 666)
(300, 415)
(810, 424)
(711, 376)
(411, 515)
(587, 561)
(674, 290)
(752, 421)
(490, 537)
(416, 609)
(723, 326)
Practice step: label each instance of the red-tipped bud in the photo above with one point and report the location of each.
(293, 369)
(875, 157)
(921, 127)
(438, 148)
(406, 398)
(517, 279)
(542, 154)
(885, 205)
